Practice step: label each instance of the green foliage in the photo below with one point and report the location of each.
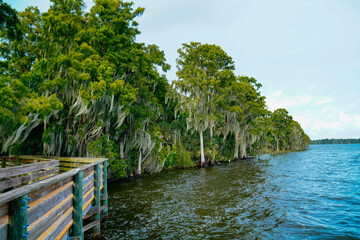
(9, 21)
(108, 149)
(79, 84)
(178, 157)
(203, 71)
(8, 101)
(287, 134)
(43, 106)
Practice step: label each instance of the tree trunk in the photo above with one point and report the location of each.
(138, 172)
(243, 151)
(211, 129)
(277, 145)
(122, 145)
(212, 147)
(202, 161)
(236, 151)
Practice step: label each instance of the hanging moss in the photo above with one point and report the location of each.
(107, 148)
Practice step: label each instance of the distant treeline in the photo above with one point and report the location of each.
(336, 141)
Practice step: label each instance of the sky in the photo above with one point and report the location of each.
(305, 53)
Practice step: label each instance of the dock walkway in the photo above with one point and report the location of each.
(52, 198)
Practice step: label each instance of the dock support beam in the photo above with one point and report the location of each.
(18, 218)
(78, 205)
(97, 184)
(104, 201)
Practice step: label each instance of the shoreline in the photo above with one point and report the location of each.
(217, 163)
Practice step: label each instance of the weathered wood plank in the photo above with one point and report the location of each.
(65, 169)
(4, 220)
(88, 202)
(88, 187)
(10, 164)
(46, 203)
(88, 171)
(88, 195)
(3, 231)
(35, 157)
(62, 207)
(48, 219)
(57, 226)
(81, 160)
(8, 196)
(24, 179)
(4, 209)
(88, 178)
(93, 164)
(63, 224)
(4, 227)
(86, 210)
(71, 165)
(91, 225)
(64, 231)
(94, 210)
(13, 171)
(22, 161)
(67, 237)
(34, 196)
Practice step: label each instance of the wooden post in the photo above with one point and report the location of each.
(104, 201)
(18, 218)
(77, 229)
(96, 229)
(3, 162)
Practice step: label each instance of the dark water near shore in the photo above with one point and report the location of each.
(313, 194)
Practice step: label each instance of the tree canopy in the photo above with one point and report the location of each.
(79, 84)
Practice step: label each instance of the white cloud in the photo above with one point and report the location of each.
(319, 125)
(277, 93)
(330, 124)
(312, 87)
(323, 101)
(345, 118)
(357, 120)
(277, 100)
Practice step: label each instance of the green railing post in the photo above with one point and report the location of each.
(18, 218)
(96, 229)
(77, 229)
(104, 201)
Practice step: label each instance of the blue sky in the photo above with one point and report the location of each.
(305, 53)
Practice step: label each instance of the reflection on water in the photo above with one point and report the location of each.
(306, 195)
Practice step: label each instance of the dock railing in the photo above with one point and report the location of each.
(50, 198)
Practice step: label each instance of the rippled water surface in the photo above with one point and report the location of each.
(313, 194)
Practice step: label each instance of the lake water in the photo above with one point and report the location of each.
(313, 194)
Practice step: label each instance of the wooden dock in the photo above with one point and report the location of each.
(56, 198)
